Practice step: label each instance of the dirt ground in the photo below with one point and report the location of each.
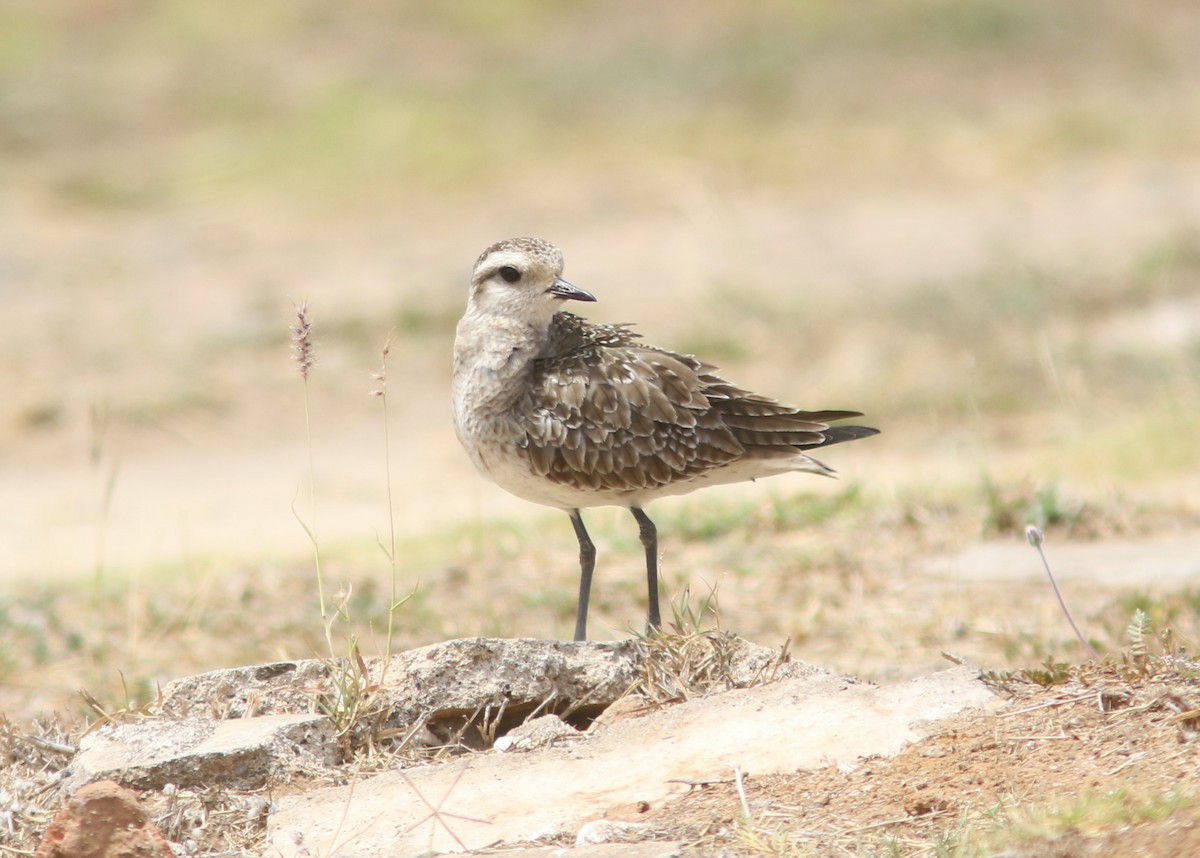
(1072, 770)
(1073, 761)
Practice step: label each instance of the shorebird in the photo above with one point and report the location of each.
(573, 415)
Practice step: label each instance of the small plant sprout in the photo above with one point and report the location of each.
(1139, 627)
(1035, 537)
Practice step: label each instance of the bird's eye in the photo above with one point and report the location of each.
(510, 274)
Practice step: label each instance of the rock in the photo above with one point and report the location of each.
(103, 820)
(537, 733)
(630, 706)
(436, 690)
(282, 687)
(744, 707)
(241, 728)
(492, 799)
(442, 685)
(607, 831)
(241, 753)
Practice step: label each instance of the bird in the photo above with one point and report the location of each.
(573, 415)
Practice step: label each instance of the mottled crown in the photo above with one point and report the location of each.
(539, 250)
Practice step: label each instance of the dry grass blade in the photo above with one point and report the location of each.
(51, 746)
(32, 762)
(350, 701)
(679, 667)
(213, 820)
(126, 712)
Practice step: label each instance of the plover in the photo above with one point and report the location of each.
(573, 415)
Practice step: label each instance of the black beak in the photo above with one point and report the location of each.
(563, 289)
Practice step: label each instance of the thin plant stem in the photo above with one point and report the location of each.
(389, 550)
(312, 528)
(1034, 537)
(302, 353)
(99, 428)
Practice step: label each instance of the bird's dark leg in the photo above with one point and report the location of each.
(649, 536)
(587, 563)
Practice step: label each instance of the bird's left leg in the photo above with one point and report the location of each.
(649, 537)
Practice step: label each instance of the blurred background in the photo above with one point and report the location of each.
(978, 222)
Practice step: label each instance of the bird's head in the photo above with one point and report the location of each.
(521, 279)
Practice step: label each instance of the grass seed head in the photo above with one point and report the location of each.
(302, 341)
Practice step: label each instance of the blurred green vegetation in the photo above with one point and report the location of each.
(319, 109)
(306, 98)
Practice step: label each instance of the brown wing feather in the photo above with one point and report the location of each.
(605, 413)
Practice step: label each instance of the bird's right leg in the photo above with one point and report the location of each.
(587, 563)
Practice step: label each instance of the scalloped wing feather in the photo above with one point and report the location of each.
(604, 413)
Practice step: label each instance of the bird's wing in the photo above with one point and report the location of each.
(603, 413)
